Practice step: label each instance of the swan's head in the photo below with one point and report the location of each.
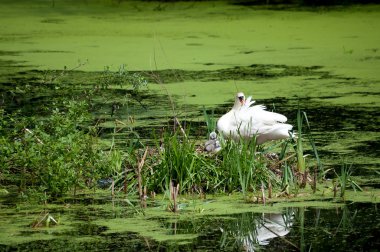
(239, 100)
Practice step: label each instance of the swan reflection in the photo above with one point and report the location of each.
(251, 231)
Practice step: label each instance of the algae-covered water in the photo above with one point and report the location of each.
(222, 223)
(196, 55)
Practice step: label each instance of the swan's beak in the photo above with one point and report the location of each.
(242, 100)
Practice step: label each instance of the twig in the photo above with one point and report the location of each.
(263, 192)
(269, 189)
(287, 241)
(283, 160)
(40, 221)
(180, 127)
(139, 167)
(53, 78)
(31, 132)
(173, 195)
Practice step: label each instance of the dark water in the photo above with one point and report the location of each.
(352, 227)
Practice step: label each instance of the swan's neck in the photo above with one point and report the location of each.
(237, 105)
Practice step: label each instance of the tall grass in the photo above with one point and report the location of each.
(243, 167)
(179, 162)
(303, 167)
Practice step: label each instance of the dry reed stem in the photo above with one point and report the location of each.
(315, 179)
(263, 192)
(269, 189)
(139, 168)
(180, 127)
(283, 160)
(173, 195)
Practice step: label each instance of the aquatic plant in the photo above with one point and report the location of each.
(345, 179)
(303, 168)
(45, 219)
(121, 78)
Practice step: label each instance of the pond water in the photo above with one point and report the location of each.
(94, 225)
(196, 55)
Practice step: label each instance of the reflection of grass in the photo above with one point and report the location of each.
(120, 217)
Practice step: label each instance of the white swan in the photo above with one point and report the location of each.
(247, 121)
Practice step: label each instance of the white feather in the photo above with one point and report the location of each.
(246, 121)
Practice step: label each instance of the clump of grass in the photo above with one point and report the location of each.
(178, 161)
(345, 180)
(244, 167)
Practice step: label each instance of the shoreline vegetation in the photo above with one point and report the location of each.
(60, 152)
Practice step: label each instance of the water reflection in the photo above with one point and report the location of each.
(250, 230)
(350, 227)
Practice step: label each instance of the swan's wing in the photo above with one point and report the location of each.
(268, 117)
(258, 113)
(255, 114)
(256, 120)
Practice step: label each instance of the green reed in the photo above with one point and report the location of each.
(210, 121)
(299, 147)
(345, 179)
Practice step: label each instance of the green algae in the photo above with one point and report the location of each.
(102, 216)
(109, 34)
(17, 228)
(144, 227)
